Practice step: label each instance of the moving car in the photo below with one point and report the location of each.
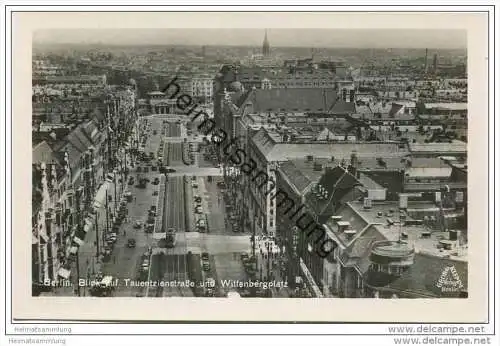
(112, 237)
(198, 210)
(170, 238)
(204, 256)
(138, 224)
(155, 193)
(150, 228)
(197, 199)
(131, 243)
(206, 266)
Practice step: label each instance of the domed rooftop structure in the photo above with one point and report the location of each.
(235, 87)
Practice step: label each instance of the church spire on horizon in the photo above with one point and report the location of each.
(265, 45)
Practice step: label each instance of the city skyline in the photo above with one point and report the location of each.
(316, 38)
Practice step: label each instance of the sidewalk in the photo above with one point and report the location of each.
(274, 274)
(89, 263)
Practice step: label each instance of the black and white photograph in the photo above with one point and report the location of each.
(250, 163)
(256, 173)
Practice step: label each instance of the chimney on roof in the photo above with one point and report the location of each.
(335, 218)
(343, 226)
(353, 167)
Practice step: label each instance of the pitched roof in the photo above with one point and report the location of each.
(355, 220)
(292, 99)
(342, 150)
(369, 183)
(337, 182)
(342, 107)
(43, 152)
(295, 177)
(264, 142)
(74, 153)
(394, 109)
(426, 172)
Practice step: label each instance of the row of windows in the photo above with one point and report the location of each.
(419, 180)
(389, 269)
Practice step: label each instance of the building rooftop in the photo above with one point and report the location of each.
(447, 106)
(276, 151)
(369, 183)
(378, 216)
(301, 173)
(422, 278)
(455, 147)
(428, 172)
(43, 153)
(292, 99)
(343, 107)
(336, 182)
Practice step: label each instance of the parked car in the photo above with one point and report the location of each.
(131, 243)
(204, 256)
(206, 266)
(107, 251)
(155, 193)
(138, 224)
(198, 210)
(194, 185)
(197, 199)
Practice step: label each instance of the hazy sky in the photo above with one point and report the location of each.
(342, 38)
